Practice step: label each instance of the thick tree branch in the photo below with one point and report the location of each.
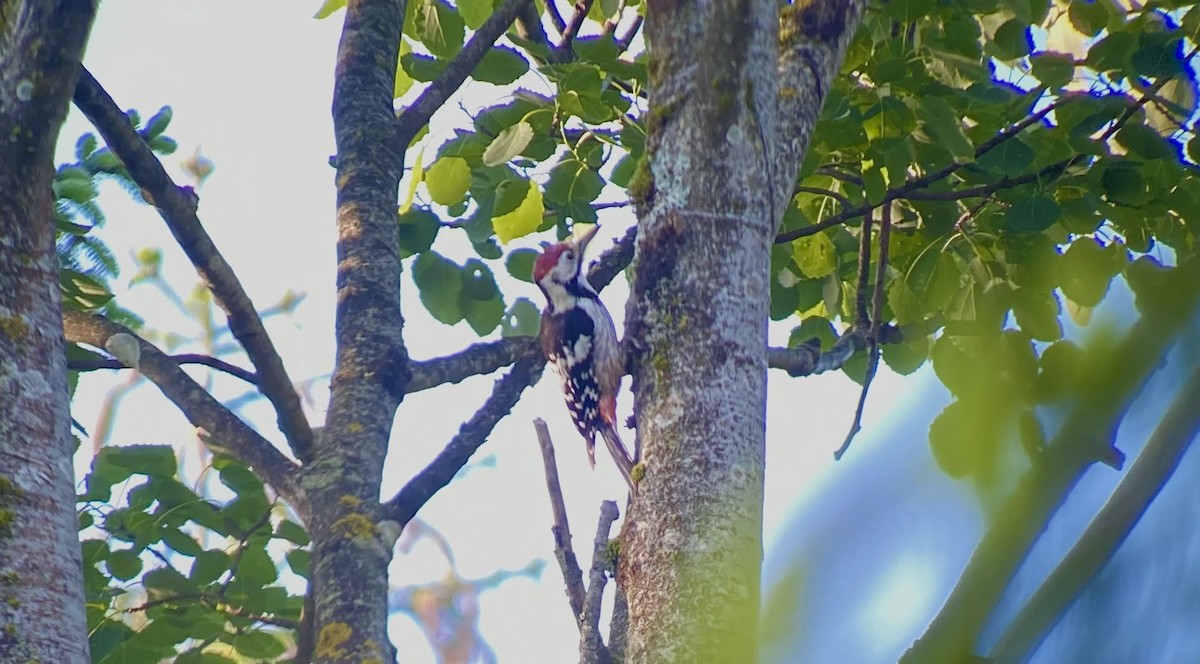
(94, 363)
(433, 97)
(474, 360)
(177, 206)
(471, 435)
(226, 431)
(813, 38)
(591, 645)
(564, 553)
(1084, 438)
(1146, 478)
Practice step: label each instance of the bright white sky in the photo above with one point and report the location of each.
(251, 83)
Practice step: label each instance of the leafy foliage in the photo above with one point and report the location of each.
(170, 572)
(1027, 152)
(86, 264)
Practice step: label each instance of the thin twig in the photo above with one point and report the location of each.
(1146, 478)
(556, 17)
(177, 207)
(876, 325)
(627, 37)
(591, 646)
(864, 272)
(563, 551)
(96, 363)
(825, 192)
(564, 51)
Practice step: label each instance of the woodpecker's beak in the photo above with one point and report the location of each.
(581, 241)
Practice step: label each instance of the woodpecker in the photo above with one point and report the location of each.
(579, 338)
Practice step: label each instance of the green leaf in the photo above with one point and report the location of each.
(1086, 270)
(439, 27)
(813, 327)
(418, 229)
(81, 291)
(297, 559)
(328, 8)
(1038, 313)
(474, 12)
(403, 80)
(572, 181)
(1053, 69)
(952, 441)
(523, 220)
(1011, 157)
(439, 284)
(448, 180)
(422, 67)
(256, 567)
(815, 255)
(520, 264)
(508, 144)
(414, 179)
(1032, 214)
(157, 123)
(1012, 40)
(1158, 55)
(154, 460)
(167, 581)
(501, 66)
(1123, 184)
(74, 188)
(521, 320)
(124, 564)
(259, 645)
(945, 126)
(209, 565)
(180, 542)
(1088, 16)
(907, 356)
(1145, 142)
(292, 532)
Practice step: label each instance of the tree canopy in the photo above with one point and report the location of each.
(979, 174)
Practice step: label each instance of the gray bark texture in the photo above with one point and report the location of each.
(734, 99)
(41, 581)
(349, 566)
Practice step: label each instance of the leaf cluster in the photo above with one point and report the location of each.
(170, 573)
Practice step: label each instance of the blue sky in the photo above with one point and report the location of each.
(250, 84)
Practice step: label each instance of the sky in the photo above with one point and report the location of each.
(250, 84)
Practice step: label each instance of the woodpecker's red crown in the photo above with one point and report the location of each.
(551, 254)
(548, 259)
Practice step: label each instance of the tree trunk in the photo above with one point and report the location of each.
(698, 321)
(41, 582)
(732, 106)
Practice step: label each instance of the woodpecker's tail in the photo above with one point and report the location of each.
(619, 454)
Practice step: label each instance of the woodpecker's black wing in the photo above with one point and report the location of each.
(567, 339)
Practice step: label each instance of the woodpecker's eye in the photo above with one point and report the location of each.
(569, 254)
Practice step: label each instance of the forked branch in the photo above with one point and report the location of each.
(224, 429)
(177, 206)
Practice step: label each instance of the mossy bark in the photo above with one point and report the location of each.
(722, 155)
(41, 582)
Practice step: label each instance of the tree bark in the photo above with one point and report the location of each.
(723, 150)
(372, 369)
(41, 581)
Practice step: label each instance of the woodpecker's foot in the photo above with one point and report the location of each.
(631, 422)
